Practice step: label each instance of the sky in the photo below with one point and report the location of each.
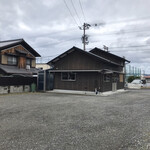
(52, 26)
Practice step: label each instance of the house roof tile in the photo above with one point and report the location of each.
(16, 70)
(11, 43)
(85, 52)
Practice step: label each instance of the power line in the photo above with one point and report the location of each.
(127, 50)
(53, 33)
(148, 17)
(76, 11)
(71, 13)
(117, 40)
(123, 32)
(82, 10)
(125, 20)
(45, 57)
(59, 42)
(78, 38)
(131, 46)
(50, 56)
(72, 39)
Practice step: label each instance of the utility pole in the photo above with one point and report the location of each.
(84, 38)
(85, 27)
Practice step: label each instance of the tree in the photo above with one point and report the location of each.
(131, 78)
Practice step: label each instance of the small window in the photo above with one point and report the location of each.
(64, 76)
(28, 62)
(12, 60)
(115, 78)
(106, 78)
(68, 76)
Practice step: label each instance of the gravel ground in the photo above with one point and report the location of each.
(48, 121)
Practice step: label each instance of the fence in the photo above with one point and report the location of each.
(16, 84)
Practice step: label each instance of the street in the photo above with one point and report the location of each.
(50, 121)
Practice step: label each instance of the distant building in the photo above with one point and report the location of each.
(17, 57)
(147, 79)
(42, 66)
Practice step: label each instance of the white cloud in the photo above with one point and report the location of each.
(50, 3)
(49, 27)
(19, 11)
(23, 26)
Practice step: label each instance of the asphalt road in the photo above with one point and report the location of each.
(46, 121)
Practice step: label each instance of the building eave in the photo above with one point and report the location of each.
(23, 43)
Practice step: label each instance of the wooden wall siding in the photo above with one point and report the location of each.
(21, 59)
(1, 72)
(10, 50)
(19, 47)
(22, 62)
(108, 56)
(7, 81)
(84, 82)
(23, 49)
(120, 85)
(33, 63)
(107, 86)
(79, 61)
(121, 77)
(3, 59)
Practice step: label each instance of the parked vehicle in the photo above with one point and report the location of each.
(138, 82)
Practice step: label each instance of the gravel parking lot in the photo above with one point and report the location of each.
(49, 121)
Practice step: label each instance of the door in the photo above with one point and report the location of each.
(49, 80)
(115, 78)
(114, 87)
(22, 62)
(41, 81)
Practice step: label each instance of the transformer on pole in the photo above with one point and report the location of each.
(84, 38)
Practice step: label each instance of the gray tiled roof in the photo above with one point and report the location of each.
(85, 52)
(16, 70)
(5, 43)
(11, 43)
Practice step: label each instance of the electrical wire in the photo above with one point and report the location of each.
(71, 13)
(82, 10)
(45, 58)
(123, 32)
(127, 50)
(76, 12)
(129, 20)
(59, 42)
(131, 46)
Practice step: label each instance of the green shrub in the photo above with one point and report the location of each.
(131, 78)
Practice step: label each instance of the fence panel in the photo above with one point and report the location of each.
(8, 81)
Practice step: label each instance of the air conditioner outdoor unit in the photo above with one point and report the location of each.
(28, 67)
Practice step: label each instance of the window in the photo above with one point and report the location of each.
(12, 60)
(28, 62)
(68, 76)
(106, 78)
(115, 78)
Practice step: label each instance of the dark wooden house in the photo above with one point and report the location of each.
(96, 70)
(17, 57)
